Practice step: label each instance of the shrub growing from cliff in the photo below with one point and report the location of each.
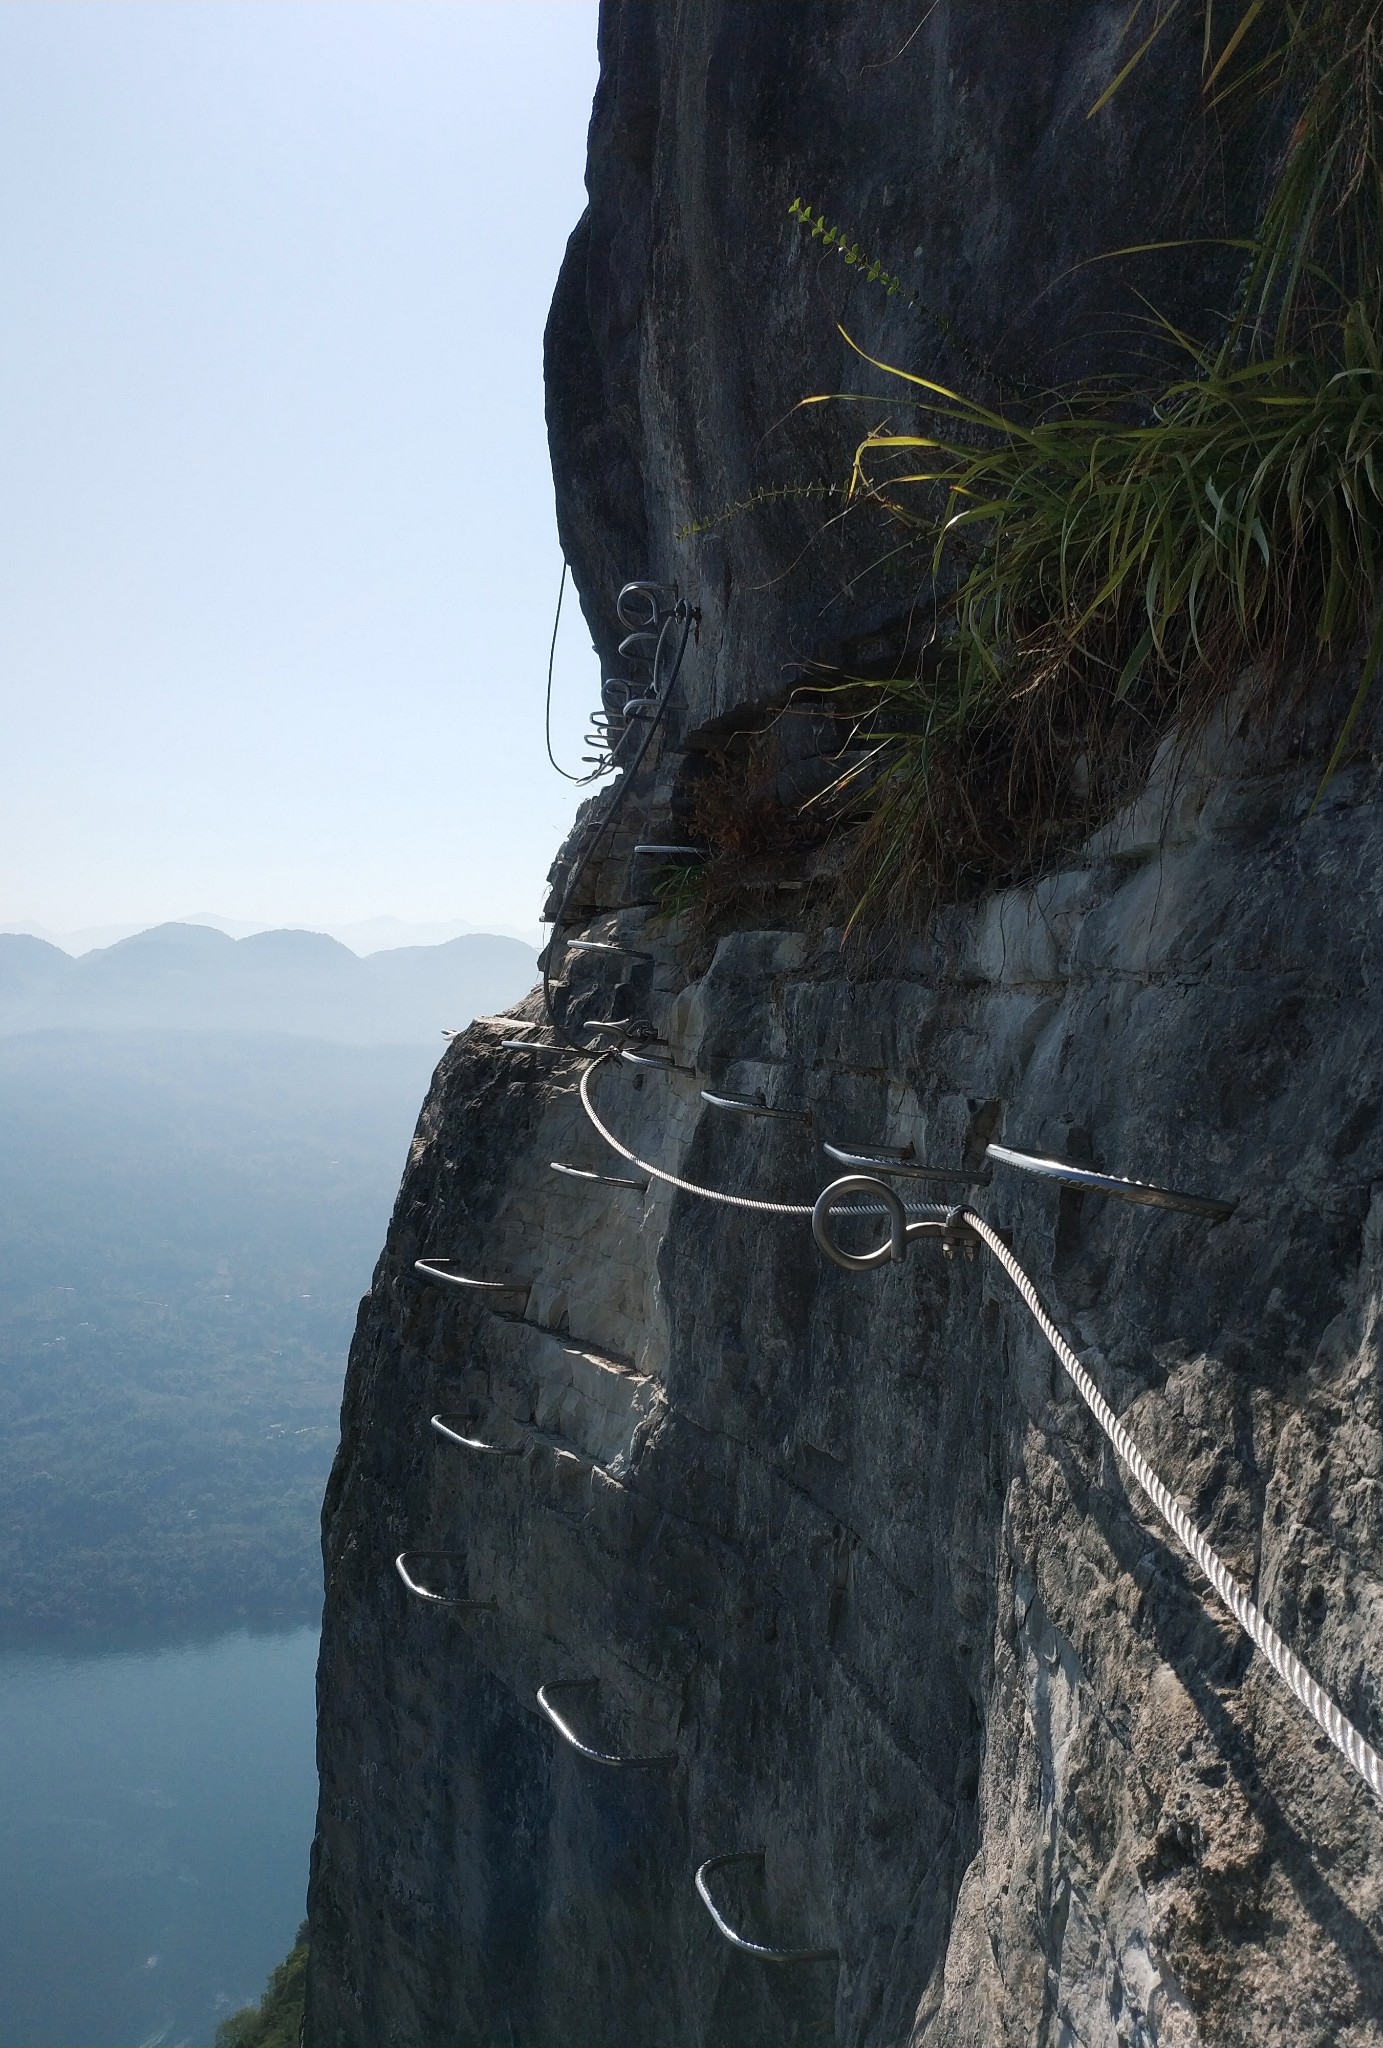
(277, 2021)
(1112, 563)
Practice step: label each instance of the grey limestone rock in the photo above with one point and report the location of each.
(850, 1547)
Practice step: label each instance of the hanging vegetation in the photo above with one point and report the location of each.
(1109, 568)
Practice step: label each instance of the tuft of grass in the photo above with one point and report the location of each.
(680, 888)
(1106, 569)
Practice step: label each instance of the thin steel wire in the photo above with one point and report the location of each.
(579, 780)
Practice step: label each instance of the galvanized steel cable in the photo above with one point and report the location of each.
(686, 616)
(691, 1187)
(579, 780)
(1285, 1662)
(1305, 1688)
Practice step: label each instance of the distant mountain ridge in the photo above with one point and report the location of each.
(193, 977)
(362, 935)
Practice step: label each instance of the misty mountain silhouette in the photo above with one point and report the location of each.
(191, 977)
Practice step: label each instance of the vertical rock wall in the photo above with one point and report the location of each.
(850, 1548)
(847, 1551)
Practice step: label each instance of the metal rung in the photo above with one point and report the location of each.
(604, 1180)
(666, 852)
(740, 1941)
(568, 1733)
(1142, 1191)
(645, 1059)
(754, 1105)
(605, 946)
(644, 599)
(426, 1593)
(887, 1159)
(640, 646)
(473, 1443)
(431, 1269)
(534, 1045)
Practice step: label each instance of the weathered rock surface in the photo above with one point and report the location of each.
(953, 143)
(850, 1547)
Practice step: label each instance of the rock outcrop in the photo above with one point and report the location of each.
(845, 1553)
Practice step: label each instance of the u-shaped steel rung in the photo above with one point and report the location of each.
(657, 852)
(641, 646)
(534, 1045)
(889, 1159)
(426, 1593)
(1142, 1191)
(951, 1230)
(473, 1443)
(568, 1733)
(644, 600)
(754, 1105)
(762, 1950)
(603, 1180)
(651, 1059)
(605, 946)
(430, 1268)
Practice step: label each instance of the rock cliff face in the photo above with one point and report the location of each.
(845, 1552)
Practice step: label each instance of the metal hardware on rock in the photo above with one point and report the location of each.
(568, 1733)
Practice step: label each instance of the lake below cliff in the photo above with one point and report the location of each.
(156, 1811)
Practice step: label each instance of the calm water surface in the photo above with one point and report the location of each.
(156, 1811)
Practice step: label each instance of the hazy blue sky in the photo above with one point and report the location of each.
(277, 557)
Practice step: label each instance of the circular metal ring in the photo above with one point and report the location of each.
(882, 1255)
(1145, 1192)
